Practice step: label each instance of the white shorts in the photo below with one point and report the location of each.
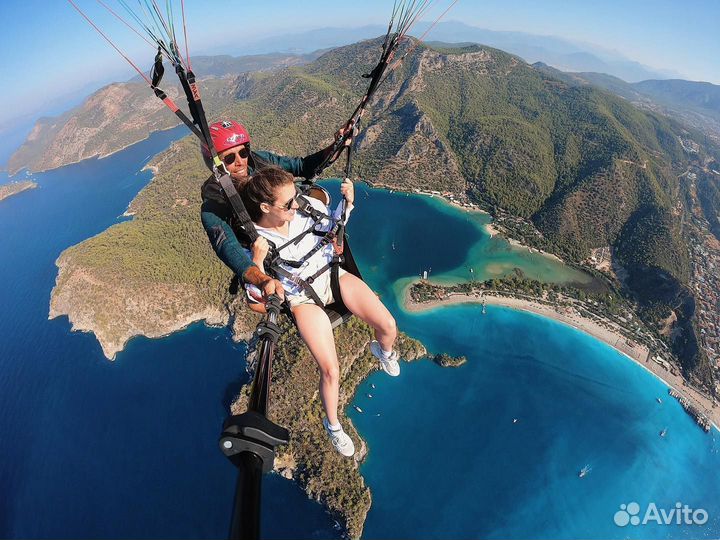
(321, 287)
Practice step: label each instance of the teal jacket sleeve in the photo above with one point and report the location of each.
(225, 243)
(299, 167)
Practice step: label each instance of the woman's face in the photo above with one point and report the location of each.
(284, 205)
(236, 160)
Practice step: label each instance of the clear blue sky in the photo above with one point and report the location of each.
(47, 49)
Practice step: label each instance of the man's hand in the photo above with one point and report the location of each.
(347, 128)
(264, 282)
(342, 131)
(272, 286)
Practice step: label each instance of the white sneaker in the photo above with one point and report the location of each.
(340, 440)
(388, 365)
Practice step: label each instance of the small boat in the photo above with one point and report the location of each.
(358, 409)
(369, 395)
(659, 400)
(515, 420)
(584, 471)
(663, 432)
(372, 385)
(393, 246)
(378, 414)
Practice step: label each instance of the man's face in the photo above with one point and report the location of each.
(236, 160)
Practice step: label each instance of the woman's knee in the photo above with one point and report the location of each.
(388, 325)
(330, 373)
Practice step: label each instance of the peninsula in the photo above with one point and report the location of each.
(156, 274)
(13, 188)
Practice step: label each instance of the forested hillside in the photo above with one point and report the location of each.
(586, 167)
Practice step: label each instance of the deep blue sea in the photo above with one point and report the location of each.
(128, 449)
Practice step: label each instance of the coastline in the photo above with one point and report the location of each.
(14, 188)
(636, 352)
(493, 231)
(97, 155)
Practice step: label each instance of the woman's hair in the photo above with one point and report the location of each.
(261, 189)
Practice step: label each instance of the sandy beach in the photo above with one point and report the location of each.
(493, 231)
(636, 352)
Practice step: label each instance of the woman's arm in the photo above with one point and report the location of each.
(347, 188)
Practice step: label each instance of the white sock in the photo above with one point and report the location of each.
(334, 427)
(386, 354)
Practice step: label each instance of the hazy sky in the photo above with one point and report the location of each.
(47, 49)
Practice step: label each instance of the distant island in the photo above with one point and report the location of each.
(13, 188)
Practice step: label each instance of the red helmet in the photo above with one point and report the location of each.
(226, 134)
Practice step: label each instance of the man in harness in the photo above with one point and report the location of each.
(313, 278)
(232, 143)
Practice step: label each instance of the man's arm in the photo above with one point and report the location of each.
(307, 166)
(298, 167)
(225, 243)
(228, 249)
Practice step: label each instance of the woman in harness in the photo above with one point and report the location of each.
(271, 199)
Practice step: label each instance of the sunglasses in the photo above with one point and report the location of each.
(243, 153)
(288, 205)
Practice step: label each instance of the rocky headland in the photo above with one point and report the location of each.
(13, 188)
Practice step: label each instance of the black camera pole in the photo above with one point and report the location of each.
(249, 439)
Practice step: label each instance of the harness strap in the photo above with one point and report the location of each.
(178, 112)
(306, 284)
(335, 281)
(301, 282)
(238, 207)
(327, 236)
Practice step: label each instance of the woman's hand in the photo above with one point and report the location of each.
(260, 250)
(347, 188)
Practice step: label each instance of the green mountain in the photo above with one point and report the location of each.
(695, 104)
(586, 167)
(122, 114)
(701, 96)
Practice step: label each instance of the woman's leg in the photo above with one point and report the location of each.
(316, 330)
(364, 303)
